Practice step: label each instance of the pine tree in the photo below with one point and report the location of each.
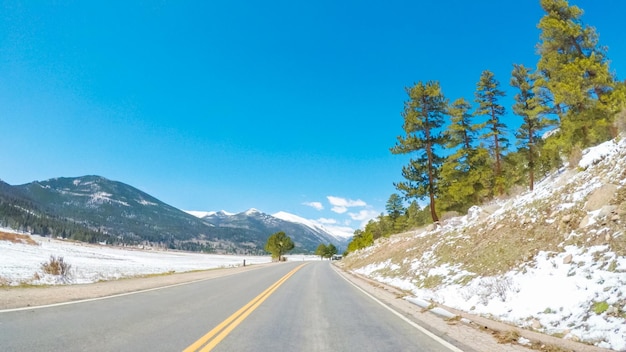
(531, 105)
(423, 117)
(394, 206)
(487, 95)
(459, 187)
(575, 71)
(321, 250)
(278, 244)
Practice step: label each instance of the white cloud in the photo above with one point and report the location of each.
(341, 205)
(343, 202)
(316, 205)
(364, 216)
(339, 210)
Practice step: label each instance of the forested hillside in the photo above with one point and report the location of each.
(463, 154)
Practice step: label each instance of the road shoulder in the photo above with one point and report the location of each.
(473, 332)
(33, 296)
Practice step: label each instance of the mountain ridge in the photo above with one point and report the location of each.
(95, 209)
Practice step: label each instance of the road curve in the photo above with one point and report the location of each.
(289, 308)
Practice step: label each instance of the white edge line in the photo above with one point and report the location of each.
(443, 342)
(111, 296)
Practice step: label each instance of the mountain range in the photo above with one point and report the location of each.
(95, 209)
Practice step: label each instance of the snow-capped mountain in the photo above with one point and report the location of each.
(95, 209)
(305, 233)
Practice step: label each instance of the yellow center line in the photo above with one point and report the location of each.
(225, 327)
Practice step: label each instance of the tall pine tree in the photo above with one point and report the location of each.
(423, 118)
(487, 96)
(575, 70)
(461, 184)
(531, 105)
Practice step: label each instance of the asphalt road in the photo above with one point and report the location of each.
(282, 307)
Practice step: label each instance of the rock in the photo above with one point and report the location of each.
(568, 259)
(600, 197)
(607, 237)
(585, 221)
(607, 210)
(566, 219)
(615, 218)
(535, 324)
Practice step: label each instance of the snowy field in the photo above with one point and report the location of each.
(20, 263)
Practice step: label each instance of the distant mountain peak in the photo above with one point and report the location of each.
(252, 211)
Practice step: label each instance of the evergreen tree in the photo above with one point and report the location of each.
(331, 250)
(361, 239)
(530, 104)
(278, 244)
(575, 71)
(394, 207)
(321, 250)
(423, 118)
(487, 95)
(459, 185)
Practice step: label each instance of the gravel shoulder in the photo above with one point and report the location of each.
(32, 296)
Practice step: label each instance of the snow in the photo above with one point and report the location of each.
(555, 292)
(20, 262)
(339, 232)
(599, 152)
(200, 214)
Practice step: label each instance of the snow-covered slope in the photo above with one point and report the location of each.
(551, 260)
(339, 233)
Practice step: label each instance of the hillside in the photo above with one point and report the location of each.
(95, 209)
(551, 260)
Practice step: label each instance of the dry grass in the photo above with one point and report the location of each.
(56, 266)
(17, 238)
(505, 337)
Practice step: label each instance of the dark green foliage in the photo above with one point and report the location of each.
(321, 250)
(463, 174)
(395, 209)
(423, 118)
(531, 104)
(574, 69)
(278, 244)
(326, 251)
(487, 95)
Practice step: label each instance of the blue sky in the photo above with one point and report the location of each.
(281, 106)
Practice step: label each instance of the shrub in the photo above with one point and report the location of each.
(57, 266)
(599, 307)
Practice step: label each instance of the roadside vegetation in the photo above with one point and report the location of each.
(279, 244)
(461, 154)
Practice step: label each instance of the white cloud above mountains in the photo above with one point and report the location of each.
(316, 205)
(341, 205)
(364, 215)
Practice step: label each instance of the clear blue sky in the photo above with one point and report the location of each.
(276, 105)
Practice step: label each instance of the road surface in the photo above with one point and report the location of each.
(297, 306)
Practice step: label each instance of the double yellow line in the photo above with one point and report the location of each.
(215, 336)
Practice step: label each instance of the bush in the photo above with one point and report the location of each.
(599, 307)
(56, 266)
